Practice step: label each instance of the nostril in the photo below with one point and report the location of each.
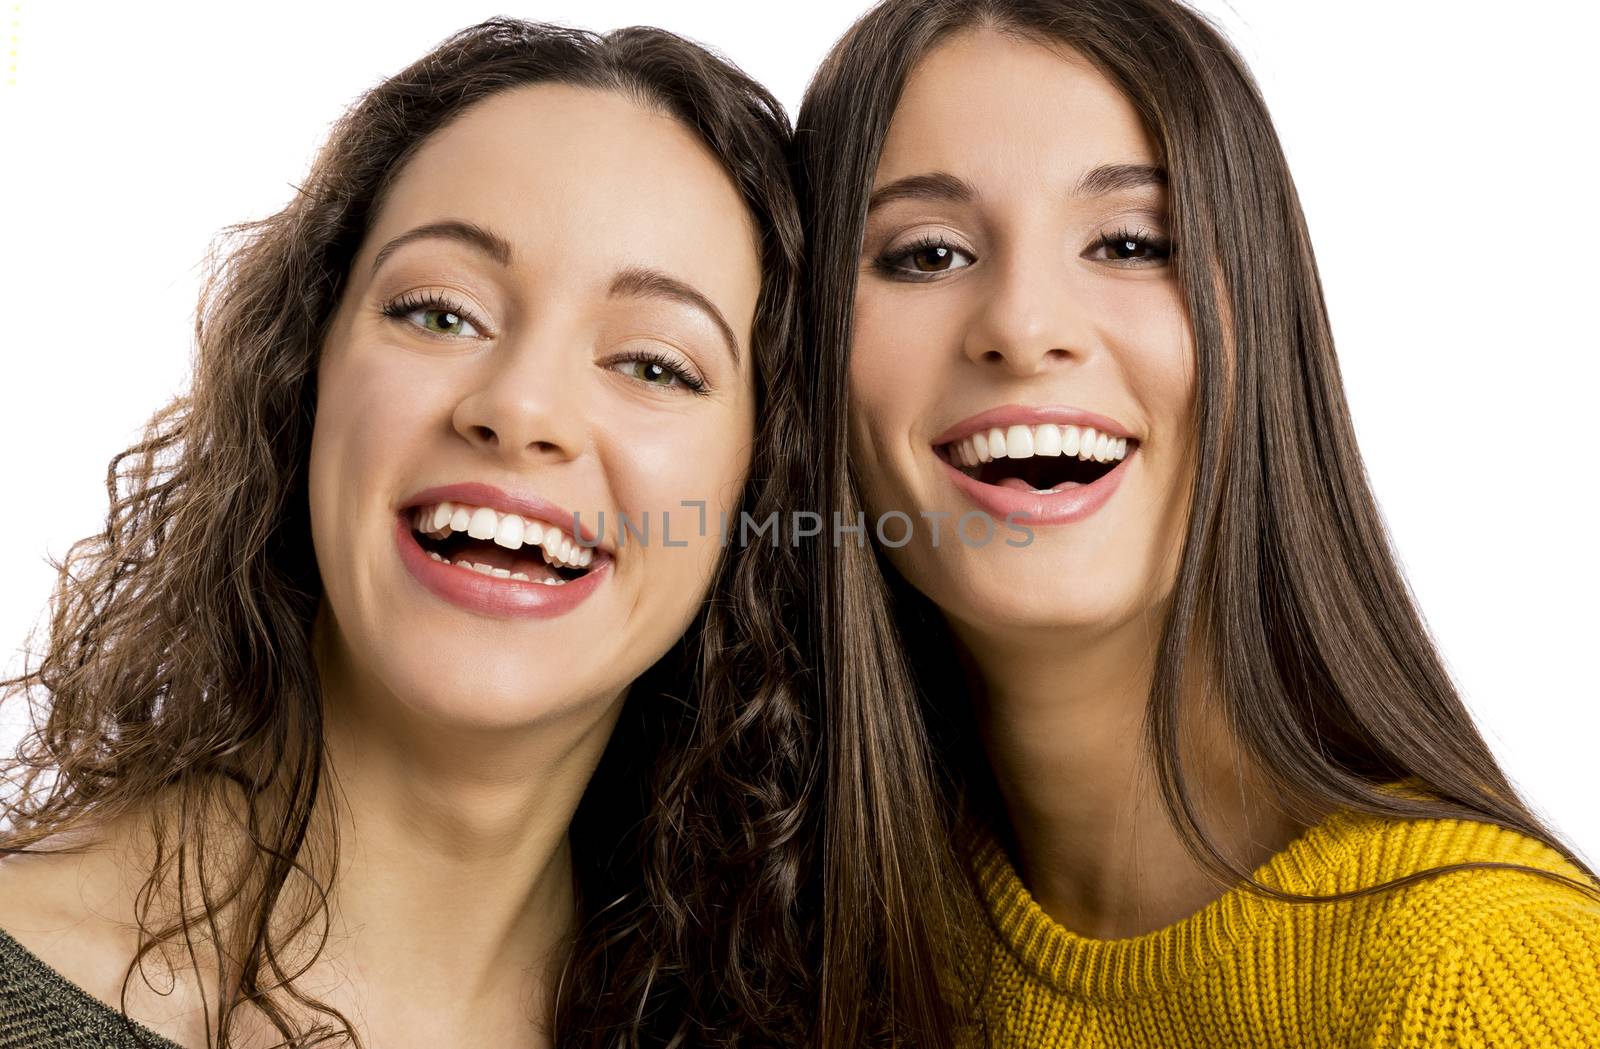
(485, 434)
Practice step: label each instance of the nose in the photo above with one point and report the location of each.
(1028, 319)
(525, 403)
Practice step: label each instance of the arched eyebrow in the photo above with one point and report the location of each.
(1113, 178)
(643, 282)
(469, 233)
(934, 186)
(947, 188)
(635, 281)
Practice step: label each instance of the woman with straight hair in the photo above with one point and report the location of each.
(360, 722)
(1129, 695)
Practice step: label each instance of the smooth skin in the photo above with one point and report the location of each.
(1005, 293)
(462, 742)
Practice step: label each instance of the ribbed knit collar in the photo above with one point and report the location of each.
(1084, 967)
(31, 992)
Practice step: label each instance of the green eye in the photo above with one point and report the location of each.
(434, 315)
(660, 371)
(443, 322)
(652, 372)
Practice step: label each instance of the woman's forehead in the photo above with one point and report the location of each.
(991, 102)
(576, 178)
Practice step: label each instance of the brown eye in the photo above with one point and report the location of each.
(925, 259)
(1131, 248)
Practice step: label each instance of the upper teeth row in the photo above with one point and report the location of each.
(1023, 442)
(507, 530)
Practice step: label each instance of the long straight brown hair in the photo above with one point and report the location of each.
(1323, 667)
(179, 656)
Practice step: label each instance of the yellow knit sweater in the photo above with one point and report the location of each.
(1490, 958)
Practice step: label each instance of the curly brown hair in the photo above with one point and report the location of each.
(179, 655)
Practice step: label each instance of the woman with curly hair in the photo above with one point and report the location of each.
(1200, 777)
(363, 721)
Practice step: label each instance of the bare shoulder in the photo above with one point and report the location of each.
(70, 908)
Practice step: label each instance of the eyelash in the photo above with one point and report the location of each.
(693, 383)
(411, 302)
(891, 262)
(1151, 241)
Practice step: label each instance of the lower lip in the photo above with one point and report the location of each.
(1033, 508)
(489, 595)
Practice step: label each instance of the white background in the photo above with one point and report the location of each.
(1443, 150)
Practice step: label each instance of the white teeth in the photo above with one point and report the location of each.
(507, 530)
(508, 533)
(1019, 442)
(565, 551)
(1023, 442)
(498, 573)
(482, 523)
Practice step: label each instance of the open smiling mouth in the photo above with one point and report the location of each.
(501, 545)
(1043, 459)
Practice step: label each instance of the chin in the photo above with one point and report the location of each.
(477, 687)
(1020, 590)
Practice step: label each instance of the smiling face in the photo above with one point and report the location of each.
(549, 316)
(1014, 295)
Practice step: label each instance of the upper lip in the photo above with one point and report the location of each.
(1031, 415)
(524, 504)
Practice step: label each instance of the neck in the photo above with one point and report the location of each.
(453, 902)
(450, 906)
(1062, 717)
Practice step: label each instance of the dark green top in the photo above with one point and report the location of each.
(41, 1009)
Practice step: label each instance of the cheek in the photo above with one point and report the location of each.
(692, 460)
(1157, 346)
(901, 347)
(898, 361)
(370, 414)
(1157, 356)
(1159, 366)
